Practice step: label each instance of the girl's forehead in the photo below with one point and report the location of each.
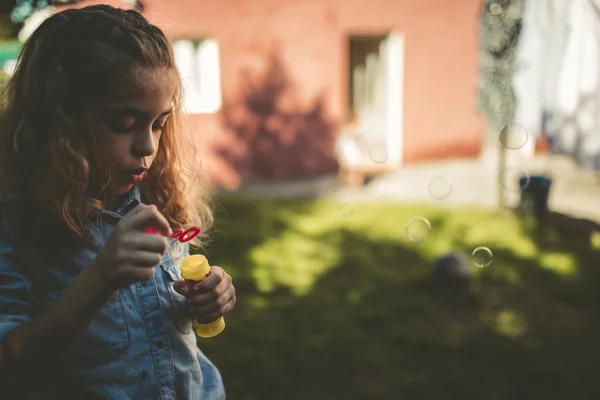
(153, 77)
(147, 90)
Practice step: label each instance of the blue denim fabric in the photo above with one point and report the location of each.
(140, 346)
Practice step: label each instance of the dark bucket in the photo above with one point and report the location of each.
(534, 197)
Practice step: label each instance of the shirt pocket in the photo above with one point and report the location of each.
(108, 334)
(178, 303)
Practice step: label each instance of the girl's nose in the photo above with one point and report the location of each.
(144, 144)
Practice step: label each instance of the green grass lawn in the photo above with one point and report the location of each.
(341, 306)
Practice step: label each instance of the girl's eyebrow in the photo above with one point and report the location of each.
(137, 112)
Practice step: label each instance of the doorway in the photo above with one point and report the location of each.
(376, 87)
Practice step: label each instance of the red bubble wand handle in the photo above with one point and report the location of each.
(180, 234)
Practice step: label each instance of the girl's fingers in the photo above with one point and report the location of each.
(207, 318)
(217, 276)
(228, 306)
(150, 243)
(149, 217)
(145, 259)
(139, 208)
(180, 287)
(205, 298)
(208, 307)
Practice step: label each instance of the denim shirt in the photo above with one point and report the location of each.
(141, 345)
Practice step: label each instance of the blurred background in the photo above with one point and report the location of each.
(407, 191)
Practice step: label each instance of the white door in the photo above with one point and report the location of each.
(393, 50)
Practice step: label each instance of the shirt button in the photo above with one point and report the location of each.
(160, 343)
(144, 282)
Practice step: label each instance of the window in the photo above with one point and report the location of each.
(199, 66)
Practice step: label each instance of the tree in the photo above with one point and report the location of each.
(4, 78)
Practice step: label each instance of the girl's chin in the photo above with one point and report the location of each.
(122, 189)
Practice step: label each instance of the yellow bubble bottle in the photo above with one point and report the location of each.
(194, 269)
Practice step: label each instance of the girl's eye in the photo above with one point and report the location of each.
(158, 128)
(120, 128)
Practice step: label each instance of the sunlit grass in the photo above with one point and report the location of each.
(595, 240)
(510, 323)
(308, 247)
(559, 263)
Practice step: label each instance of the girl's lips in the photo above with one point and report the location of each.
(139, 171)
(137, 177)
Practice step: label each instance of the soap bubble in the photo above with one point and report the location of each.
(418, 229)
(482, 257)
(440, 188)
(378, 154)
(495, 9)
(345, 208)
(513, 136)
(176, 249)
(514, 179)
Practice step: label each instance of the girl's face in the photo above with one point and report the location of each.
(129, 126)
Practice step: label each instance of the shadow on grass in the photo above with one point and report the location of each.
(375, 326)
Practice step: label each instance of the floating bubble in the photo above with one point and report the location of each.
(495, 9)
(345, 208)
(440, 188)
(482, 257)
(378, 154)
(176, 249)
(418, 229)
(514, 179)
(513, 136)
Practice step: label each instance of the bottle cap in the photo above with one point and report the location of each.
(195, 267)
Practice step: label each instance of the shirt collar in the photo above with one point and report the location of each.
(128, 202)
(133, 195)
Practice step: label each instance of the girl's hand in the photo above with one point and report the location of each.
(131, 255)
(211, 298)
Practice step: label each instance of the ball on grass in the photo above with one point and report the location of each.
(453, 269)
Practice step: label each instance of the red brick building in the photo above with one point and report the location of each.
(272, 80)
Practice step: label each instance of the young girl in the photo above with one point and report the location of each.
(91, 307)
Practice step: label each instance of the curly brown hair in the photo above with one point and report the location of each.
(48, 155)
